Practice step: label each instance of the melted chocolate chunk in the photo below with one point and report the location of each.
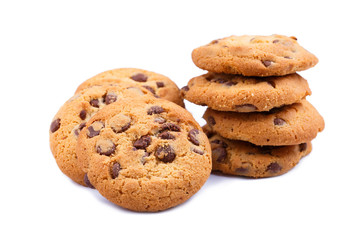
(169, 127)
(94, 102)
(166, 135)
(55, 125)
(279, 121)
(94, 129)
(267, 63)
(115, 170)
(211, 120)
(105, 147)
(87, 181)
(273, 167)
(219, 154)
(139, 77)
(143, 142)
(165, 153)
(302, 147)
(192, 136)
(160, 84)
(110, 98)
(155, 110)
(82, 114)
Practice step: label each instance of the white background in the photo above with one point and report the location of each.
(47, 48)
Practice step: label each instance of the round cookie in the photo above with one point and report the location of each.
(72, 117)
(252, 55)
(288, 125)
(145, 155)
(241, 158)
(237, 93)
(158, 84)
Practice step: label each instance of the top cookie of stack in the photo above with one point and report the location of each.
(255, 95)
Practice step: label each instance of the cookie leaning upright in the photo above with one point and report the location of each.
(249, 55)
(72, 117)
(160, 85)
(146, 154)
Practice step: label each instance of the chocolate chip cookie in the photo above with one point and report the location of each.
(241, 158)
(224, 92)
(251, 55)
(289, 125)
(145, 155)
(158, 84)
(72, 117)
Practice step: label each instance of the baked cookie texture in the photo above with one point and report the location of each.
(289, 125)
(224, 92)
(158, 84)
(241, 158)
(145, 154)
(252, 55)
(72, 117)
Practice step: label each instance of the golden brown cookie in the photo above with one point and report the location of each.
(224, 92)
(158, 84)
(252, 55)
(145, 154)
(241, 158)
(288, 125)
(72, 117)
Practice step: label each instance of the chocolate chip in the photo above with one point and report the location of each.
(94, 129)
(273, 167)
(276, 41)
(165, 153)
(302, 147)
(230, 83)
(115, 170)
(120, 123)
(160, 84)
(110, 98)
(198, 151)
(94, 102)
(267, 63)
(139, 77)
(241, 170)
(246, 108)
(87, 181)
(218, 143)
(105, 147)
(82, 114)
(186, 88)
(149, 88)
(287, 57)
(160, 120)
(192, 136)
(155, 110)
(81, 126)
(219, 154)
(279, 121)
(143, 160)
(143, 142)
(166, 135)
(170, 127)
(211, 121)
(55, 125)
(271, 83)
(265, 149)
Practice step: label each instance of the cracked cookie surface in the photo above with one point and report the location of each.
(72, 117)
(252, 55)
(288, 125)
(224, 92)
(145, 155)
(234, 157)
(158, 84)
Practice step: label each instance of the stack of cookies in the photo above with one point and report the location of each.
(124, 133)
(258, 121)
